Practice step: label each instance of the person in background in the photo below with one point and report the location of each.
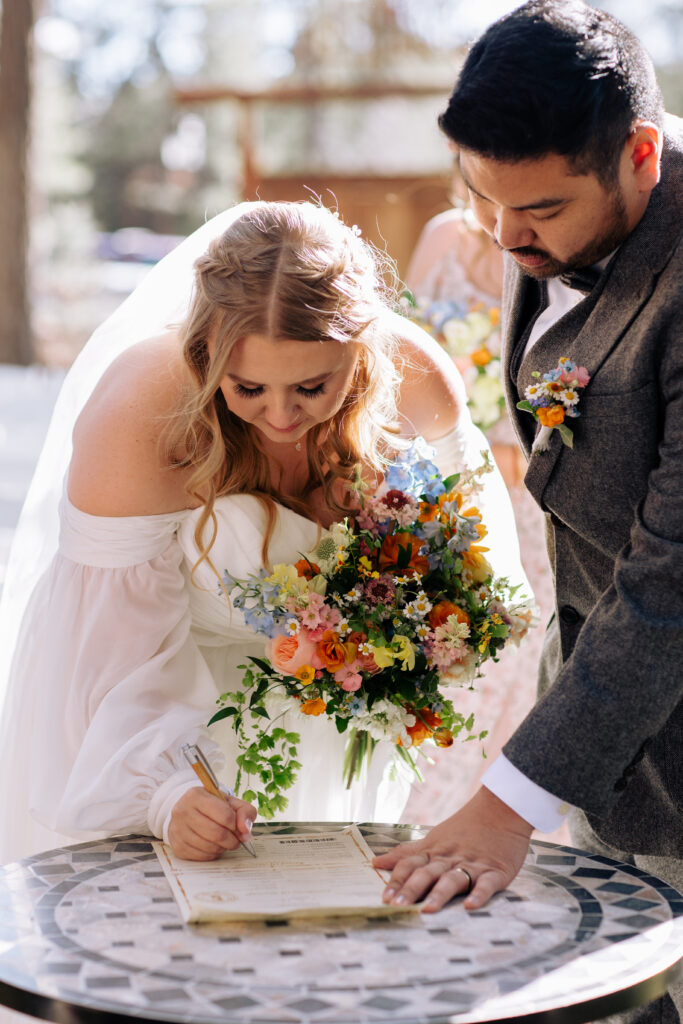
(456, 261)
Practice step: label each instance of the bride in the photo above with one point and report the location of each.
(221, 417)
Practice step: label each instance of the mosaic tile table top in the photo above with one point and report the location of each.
(91, 933)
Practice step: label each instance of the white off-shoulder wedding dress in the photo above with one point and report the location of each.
(121, 657)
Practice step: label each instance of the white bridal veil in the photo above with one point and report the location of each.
(160, 300)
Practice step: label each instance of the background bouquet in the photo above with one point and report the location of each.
(393, 604)
(472, 338)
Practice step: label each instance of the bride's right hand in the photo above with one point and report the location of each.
(202, 826)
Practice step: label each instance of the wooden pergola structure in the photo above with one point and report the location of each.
(390, 210)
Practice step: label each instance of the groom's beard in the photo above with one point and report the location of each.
(611, 237)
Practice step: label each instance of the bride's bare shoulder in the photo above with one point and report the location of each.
(118, 466)
(432, 393)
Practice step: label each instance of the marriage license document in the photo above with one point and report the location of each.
(305, 875)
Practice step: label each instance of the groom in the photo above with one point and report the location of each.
(575, 171)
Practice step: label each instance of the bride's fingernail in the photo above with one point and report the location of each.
(249, 824)
(388, 894)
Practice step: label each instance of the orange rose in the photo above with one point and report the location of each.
(551, 415)
(494, 314)
(332, 652)
(390, 551)
(316, 706)
(307, 569)
(442, 610)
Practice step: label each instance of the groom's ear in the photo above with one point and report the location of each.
(644, 151)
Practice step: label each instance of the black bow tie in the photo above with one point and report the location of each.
(583, 280)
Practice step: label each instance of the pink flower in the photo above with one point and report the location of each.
(316, 634)
(348, 678)
(443, 654)
(579, 376)
(380, 590)
(366, 522)
(288, 653)
(329, 617)
(310, 615)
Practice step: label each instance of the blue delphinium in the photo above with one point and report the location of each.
(415, 473)
(261, 621)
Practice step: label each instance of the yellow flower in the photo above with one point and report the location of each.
(384, 656)
(305, 674)
(283, 575)
(365, 565)
(318, 585)
(404, 652)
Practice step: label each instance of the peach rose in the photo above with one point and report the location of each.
(288, 653)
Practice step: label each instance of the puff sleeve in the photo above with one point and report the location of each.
(107, 683)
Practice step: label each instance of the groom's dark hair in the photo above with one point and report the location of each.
(554, 76)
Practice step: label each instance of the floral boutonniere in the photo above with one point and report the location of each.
(554, 398)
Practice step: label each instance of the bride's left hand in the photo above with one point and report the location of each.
(485, 842)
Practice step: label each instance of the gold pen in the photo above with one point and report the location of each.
(205, 774)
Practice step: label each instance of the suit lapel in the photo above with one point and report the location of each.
(587, 335)
(589, 332)
(515, 300)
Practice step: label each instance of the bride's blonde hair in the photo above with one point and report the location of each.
(290, 271)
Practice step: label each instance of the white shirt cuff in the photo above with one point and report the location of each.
(165, 798)
(536, 805)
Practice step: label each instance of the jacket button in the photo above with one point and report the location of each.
(569, 615)
(620, 784)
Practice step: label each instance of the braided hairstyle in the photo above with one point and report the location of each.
(290, 271)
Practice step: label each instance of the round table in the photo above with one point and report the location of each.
(90, 933)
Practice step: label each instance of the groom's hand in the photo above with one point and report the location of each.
(485, 841)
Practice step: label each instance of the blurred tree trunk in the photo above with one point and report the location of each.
(15, 324)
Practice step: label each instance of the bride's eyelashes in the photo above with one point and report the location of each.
(315, 392)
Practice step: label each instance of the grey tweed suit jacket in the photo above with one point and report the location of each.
(607, 731)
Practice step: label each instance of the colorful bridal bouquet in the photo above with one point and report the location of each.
(472, 338)
(393, 604)
(554, 398)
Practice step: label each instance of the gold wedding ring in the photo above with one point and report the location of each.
(468, 876)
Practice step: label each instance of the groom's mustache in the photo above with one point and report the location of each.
(521, 250)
